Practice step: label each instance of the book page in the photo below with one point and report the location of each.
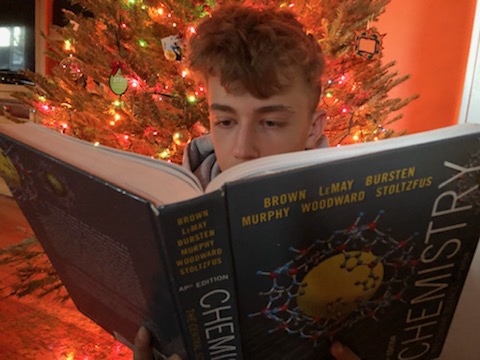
(283, 162)
(158, 181)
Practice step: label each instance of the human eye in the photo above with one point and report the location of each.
(271, 124)
(224, 123)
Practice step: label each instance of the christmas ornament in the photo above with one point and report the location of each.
(172, 48)
(72, 68)
(118, 83)
(368, 43)
(181, 137)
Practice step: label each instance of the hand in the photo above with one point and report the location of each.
(142, 348)
(341, 352)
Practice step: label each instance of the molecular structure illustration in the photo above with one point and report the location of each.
(356, 273)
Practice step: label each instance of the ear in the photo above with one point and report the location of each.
(319, 121)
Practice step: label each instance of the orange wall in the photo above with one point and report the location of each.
(430, 40)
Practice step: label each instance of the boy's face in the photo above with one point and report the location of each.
(245, 128)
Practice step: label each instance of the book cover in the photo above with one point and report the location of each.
(367, 244)
(126, 262)
(372, 251)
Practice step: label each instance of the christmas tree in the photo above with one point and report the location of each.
(121, 79)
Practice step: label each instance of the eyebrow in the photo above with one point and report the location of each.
(261, 110)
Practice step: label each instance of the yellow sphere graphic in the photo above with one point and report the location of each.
(333, 287)
(55, 184)
(8, 172)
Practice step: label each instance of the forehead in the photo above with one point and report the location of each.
(296, 93)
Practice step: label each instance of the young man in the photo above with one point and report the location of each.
(262, 75)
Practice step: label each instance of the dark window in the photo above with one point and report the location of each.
(17, 35)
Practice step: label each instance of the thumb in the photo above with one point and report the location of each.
(341, 352)
(175, 357)
(143, 351)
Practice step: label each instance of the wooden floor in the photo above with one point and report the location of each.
(13, 226)
(42, 328)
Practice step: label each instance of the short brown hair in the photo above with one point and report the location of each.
(257, 50)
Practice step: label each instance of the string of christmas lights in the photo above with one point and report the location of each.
(119, 76)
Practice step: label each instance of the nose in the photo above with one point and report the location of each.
(246, 146)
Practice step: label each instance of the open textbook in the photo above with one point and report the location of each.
(369, 244)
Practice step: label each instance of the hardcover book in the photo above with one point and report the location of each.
(369, 244)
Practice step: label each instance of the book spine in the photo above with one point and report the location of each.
(197, 249)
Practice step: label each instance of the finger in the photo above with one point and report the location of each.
(142, 349)
(341, 352)
(175, 357)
